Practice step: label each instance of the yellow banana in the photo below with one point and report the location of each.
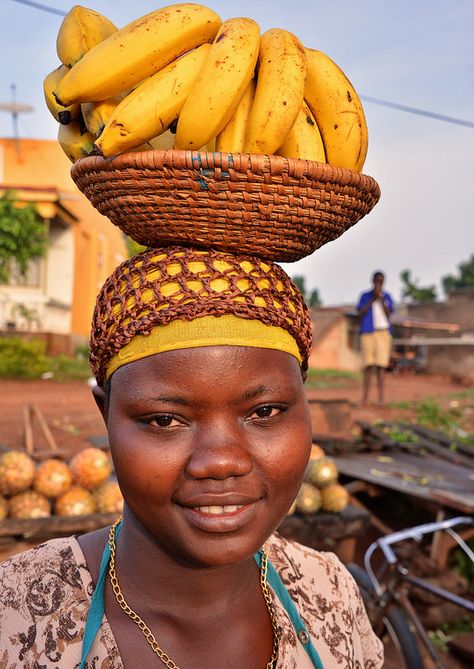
(338, 112)
(232, 138)
(221, 83)
(75, 141)
(62, 114)
(96, 114)
(137, 51)
(279, 92)
(153, 106)
(80, 31)
(304, 139)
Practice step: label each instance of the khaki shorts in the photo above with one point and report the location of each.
(375, 348)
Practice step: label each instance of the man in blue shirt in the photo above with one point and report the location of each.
(374, 308)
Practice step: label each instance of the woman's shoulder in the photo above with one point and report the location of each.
(328, 601)
(45, 595)
(303, 561)
(61, 556)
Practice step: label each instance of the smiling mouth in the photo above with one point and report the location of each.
(219, 510)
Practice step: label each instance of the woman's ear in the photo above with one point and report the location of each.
(102, 401)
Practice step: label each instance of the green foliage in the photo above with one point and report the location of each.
(67, 368)
(431, 414)
(133, 247)
(23, 236)
(415, 293)
(402, 436)
(331, 378)
(300, 282)
(465, 279)
(313, 298)
(22, 359)
(448, 631)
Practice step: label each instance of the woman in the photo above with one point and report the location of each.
(200, 358)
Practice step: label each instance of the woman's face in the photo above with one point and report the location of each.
(209, 446)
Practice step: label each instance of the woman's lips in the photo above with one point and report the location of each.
(217, 518)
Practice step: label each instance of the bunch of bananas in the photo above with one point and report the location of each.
(180, 77)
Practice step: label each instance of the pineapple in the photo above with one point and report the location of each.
(3, 508)
(316, 452)
(321, 472)
(308, 499)
(53, 478)
(334, 498)
(108, 498)
(76, 501)
(29, 504)
(91, 467)
(17, 470)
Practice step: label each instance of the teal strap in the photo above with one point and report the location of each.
(96, 610)
(275, 582)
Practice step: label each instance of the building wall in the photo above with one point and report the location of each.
(332, 349)
(458, 308)
(457, 361)
(82, 262)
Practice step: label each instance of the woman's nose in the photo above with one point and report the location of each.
(219, 453)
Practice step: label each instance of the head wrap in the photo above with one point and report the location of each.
(177, 297)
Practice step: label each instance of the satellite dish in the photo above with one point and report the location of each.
(14, 108)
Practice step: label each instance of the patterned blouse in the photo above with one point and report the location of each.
(45, 595)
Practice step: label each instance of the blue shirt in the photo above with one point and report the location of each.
(366, 320)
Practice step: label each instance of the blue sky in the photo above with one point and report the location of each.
(416, 53)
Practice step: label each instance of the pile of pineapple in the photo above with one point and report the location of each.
(320, 490)
(81, 487)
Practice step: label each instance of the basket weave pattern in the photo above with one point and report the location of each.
(281, 209)
(160, 286)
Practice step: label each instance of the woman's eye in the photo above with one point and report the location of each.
(163, 420)
(267, 411)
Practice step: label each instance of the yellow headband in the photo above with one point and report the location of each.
(227, 330)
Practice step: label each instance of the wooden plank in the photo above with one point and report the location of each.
(443, 439)
(450, 484)
(28, 431)
(55, 525)
(44, 427)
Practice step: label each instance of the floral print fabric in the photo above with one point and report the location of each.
(45, 595)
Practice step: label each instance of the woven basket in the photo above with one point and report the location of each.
(281, 209)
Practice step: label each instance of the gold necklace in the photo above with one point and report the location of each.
(148, 634)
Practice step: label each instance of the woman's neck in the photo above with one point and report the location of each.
(162, 581)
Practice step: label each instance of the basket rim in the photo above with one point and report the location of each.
(238, 162)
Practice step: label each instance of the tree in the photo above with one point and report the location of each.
(313, 298)
(414, 292)
(23, 236)
(133, 247)
(465, 278)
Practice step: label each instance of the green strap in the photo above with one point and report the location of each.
(275, 582)
(96, 610)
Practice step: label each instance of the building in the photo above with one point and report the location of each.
(57, 296)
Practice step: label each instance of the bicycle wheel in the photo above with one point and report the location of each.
(397, 636)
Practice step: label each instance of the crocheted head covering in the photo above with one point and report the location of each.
(176, 297)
